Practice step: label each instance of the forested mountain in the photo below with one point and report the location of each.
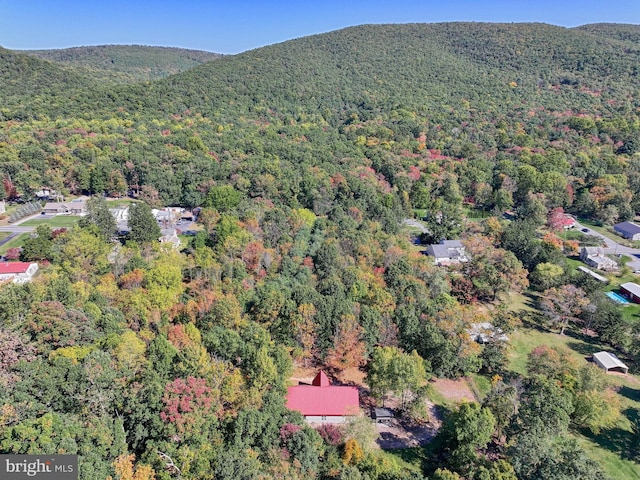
(41, 85)
(616, 31)
(304, 158)
(128, 63)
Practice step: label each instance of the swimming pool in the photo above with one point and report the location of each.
(616, 297)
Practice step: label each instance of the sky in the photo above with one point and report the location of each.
(234, 26)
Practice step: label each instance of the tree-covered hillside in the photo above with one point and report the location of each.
(128, 63)
(616, 31)
(301, 161)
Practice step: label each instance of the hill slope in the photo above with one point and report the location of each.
(376, 67)
(127, 62)
(617, 31)
(31, 85)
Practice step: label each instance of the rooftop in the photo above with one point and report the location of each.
(322, 398)
(13, 267)
(631, 287)
(627, 227)
(609, 360)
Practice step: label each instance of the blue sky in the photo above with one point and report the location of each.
(234, 26)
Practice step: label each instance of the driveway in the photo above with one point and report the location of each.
(615, 248)
(416, 224)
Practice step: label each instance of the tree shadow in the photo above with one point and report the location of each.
(585, 349)
(630, 393)
(624, 443)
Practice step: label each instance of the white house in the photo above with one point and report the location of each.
(595, 257)
(17, 272)
(447, 252)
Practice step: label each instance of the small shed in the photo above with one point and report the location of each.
(609, 362)
(382, 415)
(631, 291)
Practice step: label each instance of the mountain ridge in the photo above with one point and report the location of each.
(126, 63)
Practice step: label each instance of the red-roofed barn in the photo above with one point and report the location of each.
(322, 402)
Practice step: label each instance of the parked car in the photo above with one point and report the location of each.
(585, 230)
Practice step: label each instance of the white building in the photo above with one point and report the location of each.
(17, 272)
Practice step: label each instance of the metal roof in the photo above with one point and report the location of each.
(632, 288)
(598, 277)
(629, 228)
(609, 360)
(322, 398)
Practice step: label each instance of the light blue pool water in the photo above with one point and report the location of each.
(616, 297)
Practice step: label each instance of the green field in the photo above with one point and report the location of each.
(13, 243)
(610, 448)
(58, 221)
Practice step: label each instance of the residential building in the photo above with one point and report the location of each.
(567, 222)
(628, 230)
(17, 272)
(447, 252)
(596, 258)
(322, 402)
(74, 207)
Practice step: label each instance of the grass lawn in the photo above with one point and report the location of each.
(13, 243)
(611, 447)
(4, 235)
(58, 221)
(419, 213)
(407, 458)
(519, 302)
(120, 202)
(605, 231)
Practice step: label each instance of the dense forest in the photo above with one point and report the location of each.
(127, 63)
(304, 159)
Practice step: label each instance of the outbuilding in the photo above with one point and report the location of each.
(382, 415)
(628, 230)
(631, 291)
(609, 362)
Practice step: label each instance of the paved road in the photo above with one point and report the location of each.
(415, 223)
(615, 248)
(17, 229)
(6, 239)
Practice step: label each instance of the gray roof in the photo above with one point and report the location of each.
(593, 250)
(598, 277)
(446, 249)
(631, 287)
(609, 360)
(628, 228)
(382, 413)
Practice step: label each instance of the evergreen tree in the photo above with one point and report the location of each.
(143, 227)
(98, 214)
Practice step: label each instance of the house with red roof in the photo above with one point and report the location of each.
(322, 402)
(17, 272)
